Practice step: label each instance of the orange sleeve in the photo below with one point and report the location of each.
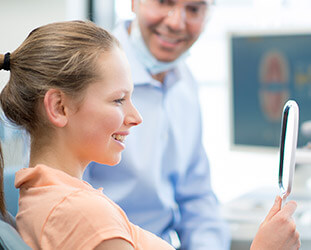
(83, 220)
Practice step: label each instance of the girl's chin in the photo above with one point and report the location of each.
(111, 162)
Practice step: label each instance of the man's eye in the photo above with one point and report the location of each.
(193, 9)
(164, 2)
(119, 101)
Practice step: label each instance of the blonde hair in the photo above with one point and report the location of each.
(59, 55)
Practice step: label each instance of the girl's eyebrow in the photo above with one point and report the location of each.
(125, 91)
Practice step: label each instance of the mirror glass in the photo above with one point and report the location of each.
(288, 144)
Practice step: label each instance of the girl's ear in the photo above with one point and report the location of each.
(55, 108)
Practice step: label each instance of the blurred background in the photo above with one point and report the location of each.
(235, 89)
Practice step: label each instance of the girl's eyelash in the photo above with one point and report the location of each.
(120, 101)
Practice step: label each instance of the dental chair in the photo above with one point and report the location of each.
(9, 237)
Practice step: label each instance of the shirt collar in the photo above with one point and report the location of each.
(41, 175)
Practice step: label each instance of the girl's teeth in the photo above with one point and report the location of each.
(119, 137)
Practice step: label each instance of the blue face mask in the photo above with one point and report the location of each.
(145, 57)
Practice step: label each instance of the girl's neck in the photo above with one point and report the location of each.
(56, 156)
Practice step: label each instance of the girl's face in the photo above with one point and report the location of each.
(98, 127)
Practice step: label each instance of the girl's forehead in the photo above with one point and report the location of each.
(113, 64)
(113, 72)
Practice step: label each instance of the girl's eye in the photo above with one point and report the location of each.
(119, 101)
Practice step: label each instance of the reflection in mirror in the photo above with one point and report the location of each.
(288, 144)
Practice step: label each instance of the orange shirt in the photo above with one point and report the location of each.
(58, 211)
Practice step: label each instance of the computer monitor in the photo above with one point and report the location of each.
(267, 69)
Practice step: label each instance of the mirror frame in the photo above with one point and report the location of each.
(290, 106)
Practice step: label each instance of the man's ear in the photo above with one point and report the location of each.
(55, 108)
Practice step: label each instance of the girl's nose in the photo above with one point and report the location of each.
(133, 118)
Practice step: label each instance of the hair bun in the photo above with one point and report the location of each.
(6, 61)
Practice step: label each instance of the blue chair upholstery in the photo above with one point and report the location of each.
(9, 237)
(11, 194)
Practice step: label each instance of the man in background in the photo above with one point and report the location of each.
(164, 173)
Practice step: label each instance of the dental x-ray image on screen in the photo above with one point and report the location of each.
(267, 69)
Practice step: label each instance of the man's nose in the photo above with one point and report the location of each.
(176, 18)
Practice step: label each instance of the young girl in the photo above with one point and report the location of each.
(70, 88)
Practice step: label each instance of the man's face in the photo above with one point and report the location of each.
(168, 34)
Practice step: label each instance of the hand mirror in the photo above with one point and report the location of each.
(288, 144)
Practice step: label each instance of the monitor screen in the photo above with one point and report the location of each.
(266, 71)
